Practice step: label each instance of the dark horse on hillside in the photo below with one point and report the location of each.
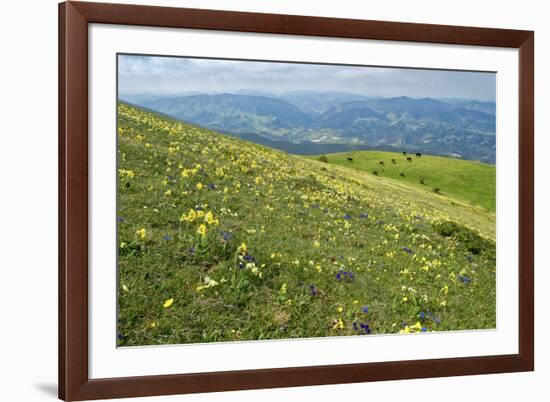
(350, 160)
(418, 154)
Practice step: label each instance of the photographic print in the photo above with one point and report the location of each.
(273, 200)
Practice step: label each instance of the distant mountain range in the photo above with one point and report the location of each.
(309, 122)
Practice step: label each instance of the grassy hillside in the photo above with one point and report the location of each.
(467, 181)
(221, 239)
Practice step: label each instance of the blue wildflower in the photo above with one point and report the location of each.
(167, 237)
(422, 315)
(212, 186)
(347, 217)
(407, 250)
(464, 279)
(365, 309)
(363, 216)
(424, 329)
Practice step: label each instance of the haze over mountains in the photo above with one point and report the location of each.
(310, 122)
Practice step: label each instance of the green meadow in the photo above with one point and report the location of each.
(466, 181)
(225, 240)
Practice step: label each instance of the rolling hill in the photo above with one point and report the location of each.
(221, 239)
(464, 129)
(465, 181)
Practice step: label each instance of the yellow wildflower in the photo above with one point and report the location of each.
(199, 186)
(168, 303)
(202, 230)
(190, 217)
(242, 249)
(141, 233)
(126, 173)
(417, 326)
(209, 218)
(339, 324)
(405, 330)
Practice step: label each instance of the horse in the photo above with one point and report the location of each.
(409, 159)
(404, 153)
(393, 161)
(381, 163)
(350, 160)
(418, 154)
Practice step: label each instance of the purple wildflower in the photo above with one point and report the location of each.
(313, 290)
(365, 327)
(407, 250)
(343, 275)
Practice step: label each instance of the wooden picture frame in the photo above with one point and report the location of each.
(74, 381)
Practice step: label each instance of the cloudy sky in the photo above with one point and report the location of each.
(174, 75)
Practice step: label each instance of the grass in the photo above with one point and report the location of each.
(466, 181)
(225, 240)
